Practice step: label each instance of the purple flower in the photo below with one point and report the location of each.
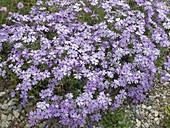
(3, 9)
(96, 117)
(20, 5)
(13, 93)
(42, 105)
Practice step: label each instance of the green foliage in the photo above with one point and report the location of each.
(161, 59)
(11, 6)
(134, 5)
(167, 119)
(128, 58)
(70, 84)
(118, 119)
(90, 18)
(34, 92)
(167, 108)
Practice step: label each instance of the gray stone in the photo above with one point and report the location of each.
(27, 126)
(2, 94)
(166, 84)
(138, 123)
(146, 125)
(156, 113)
(9, 117)
(134, 109)
(151, 117)
(42, 125)
(22, 118)
(3, 117)
(151, 98)
(148, 108)
(12, 108)
(16, 114)
(12, 102)
(4, 124)
(156, 120)
(4, 106)
(138, 116)
(143, 106)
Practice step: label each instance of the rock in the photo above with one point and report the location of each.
(149, 108)
(156, 113)
(137, 115)
(156, 120)
(12, 102)
(166, 84)
(9, 117)
(3, 117)
(146, 125)
(2, 94)
(134, 109)
(143, 106)
(138, 123)
(22, 118)
(152, 98)
(16, 114)
(4, 124)
(27, 126)
(4, 106)
(12, 108)
(150, 116)
(42, 125)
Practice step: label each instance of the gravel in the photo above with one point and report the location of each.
(151, 113)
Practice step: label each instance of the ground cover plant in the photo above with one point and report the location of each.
(79, 59)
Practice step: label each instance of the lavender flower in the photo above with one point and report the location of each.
(20, 5)
(3, 9)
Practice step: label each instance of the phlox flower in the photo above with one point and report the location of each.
(20, 5)
(3, 9)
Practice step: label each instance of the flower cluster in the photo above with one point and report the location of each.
(165, 74)
(106, 48)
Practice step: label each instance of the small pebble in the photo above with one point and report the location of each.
(146, 125)
(149, 108)
(156, 113)
(143, 106)
(12, 102)
(2, 94)
(3, 117)
(16, 114)
(138, 123)
(4, 106)
(9, 117)
(4, 124)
